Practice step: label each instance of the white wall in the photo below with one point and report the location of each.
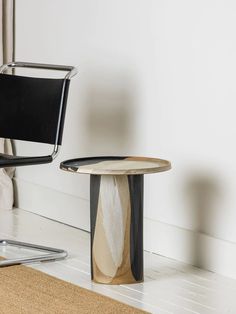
(156, 78)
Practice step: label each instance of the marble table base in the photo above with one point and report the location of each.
(116, 203)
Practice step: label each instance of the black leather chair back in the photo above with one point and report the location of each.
(32, 109)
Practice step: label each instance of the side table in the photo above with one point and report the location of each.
(116, 214)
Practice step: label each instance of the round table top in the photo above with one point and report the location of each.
(114, 165)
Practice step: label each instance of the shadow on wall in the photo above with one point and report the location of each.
(109, 116)
(204, 195)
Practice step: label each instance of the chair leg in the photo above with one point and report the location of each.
(52, 254)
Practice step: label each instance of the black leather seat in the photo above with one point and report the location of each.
(15, 161)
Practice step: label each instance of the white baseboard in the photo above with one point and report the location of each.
(161, 238)
(52, 204)
(191, 247)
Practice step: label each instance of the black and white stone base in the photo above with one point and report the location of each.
(116, 211)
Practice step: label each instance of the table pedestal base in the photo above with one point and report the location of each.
(116, 203)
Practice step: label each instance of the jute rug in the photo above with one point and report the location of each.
(24, 290)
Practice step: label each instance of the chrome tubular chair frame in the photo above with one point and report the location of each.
(50, 254)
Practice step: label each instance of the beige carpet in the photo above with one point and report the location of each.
(24, 290)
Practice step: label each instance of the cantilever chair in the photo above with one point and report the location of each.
(33, 109)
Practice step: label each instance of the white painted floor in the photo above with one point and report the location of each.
(169, 286)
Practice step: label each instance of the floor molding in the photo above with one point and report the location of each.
(52, 204)
(188, 246)
(191, 247)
